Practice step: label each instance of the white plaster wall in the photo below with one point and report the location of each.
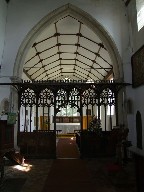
(137, 94)
(137, 39)
(4, 90)
(24, 15)
(3, 15)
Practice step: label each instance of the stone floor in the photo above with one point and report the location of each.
(36, 171)
(120, 179)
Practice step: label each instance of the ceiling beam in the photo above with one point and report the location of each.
(109, 74)
(25, 72)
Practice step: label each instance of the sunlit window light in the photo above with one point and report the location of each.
(140, 13)
(110, 110)
(25, 167)
(90, 81)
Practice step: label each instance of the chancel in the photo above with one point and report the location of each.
(71, 95)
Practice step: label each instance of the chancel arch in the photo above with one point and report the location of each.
(68, 59)
(82, 17)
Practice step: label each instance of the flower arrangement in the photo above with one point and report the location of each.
(95, 124)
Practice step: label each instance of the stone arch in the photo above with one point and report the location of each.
(82, 16)
(54, 16)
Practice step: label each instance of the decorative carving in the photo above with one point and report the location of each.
(60, 94)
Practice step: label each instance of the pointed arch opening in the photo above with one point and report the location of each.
(82, 73)
(82, 17)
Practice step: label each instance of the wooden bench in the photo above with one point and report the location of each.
(92, 144)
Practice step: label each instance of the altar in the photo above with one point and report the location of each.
(67, 128)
